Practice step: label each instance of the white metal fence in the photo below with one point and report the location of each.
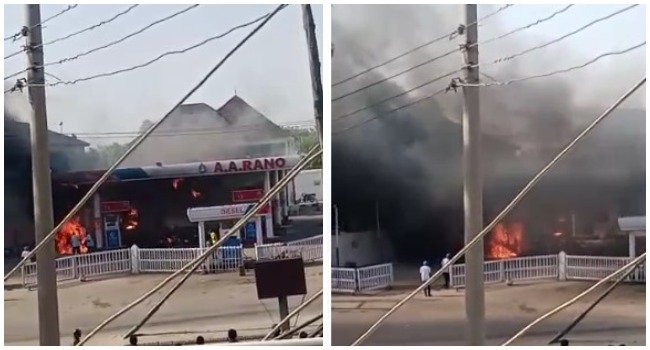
(310, 249)
(557, 266)
(163, 260)
(362, 279)
(375, 277)
(136, 260)
(344, 280)
(87, 265)
(515, 269)
(171, 259)
(560, 266)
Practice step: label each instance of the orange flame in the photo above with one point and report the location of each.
(176, 182)
(196, 194)
(505, 241)
(131, 219)
(62, 239)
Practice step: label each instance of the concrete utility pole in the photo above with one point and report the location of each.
(314, 65)
(48, 309)
(472, 184)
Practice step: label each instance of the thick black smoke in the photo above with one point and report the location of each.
(410, 161)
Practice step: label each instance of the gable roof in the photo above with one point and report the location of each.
(198, 132)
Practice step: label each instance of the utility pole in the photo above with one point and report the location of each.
(314, 65)
(472, 186)
(48, 309)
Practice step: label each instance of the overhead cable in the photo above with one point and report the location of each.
(161, 56)
(556, 40)
(115, 42)
(412, 103)
(556, 72)
(428, 82)
(431, 42)
(23, 31)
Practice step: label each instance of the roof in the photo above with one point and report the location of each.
(20, 130)
(632, 224)
(198, 132)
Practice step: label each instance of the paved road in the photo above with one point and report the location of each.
(206, 305)
(440, 321)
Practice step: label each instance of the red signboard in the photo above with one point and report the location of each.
(247, 195)
(115, 207)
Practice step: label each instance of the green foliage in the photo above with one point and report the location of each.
(306, 139)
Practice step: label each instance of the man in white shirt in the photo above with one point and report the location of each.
(425, 274)
(445, 274)
(25, 252)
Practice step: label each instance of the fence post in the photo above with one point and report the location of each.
(562, 266)
(502, 271)
(357, 280)
(135, 259)
(75, 268)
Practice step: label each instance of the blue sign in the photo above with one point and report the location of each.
(112, 238)
(250, 231)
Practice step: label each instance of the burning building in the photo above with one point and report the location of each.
(399, 172)
(199, 157)
(65, 151)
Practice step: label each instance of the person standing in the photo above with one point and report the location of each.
(90, 243)
(75, 242)
(445, 273)
(425, 274)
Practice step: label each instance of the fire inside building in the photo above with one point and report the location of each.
(149, 207)
(219, 160)
(399, 195)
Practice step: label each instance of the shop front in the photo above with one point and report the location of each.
(223, 218)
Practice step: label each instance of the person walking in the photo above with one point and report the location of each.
(445, 273)
(425, 274)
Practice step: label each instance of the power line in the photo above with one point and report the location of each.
(448, 35)
(161, 56)
(539, 21)
(94, 26)
(397, 74)
(22, 32)
(137, 32)
(528, 26)
(566, 70)
(598, 20)
(429, 82)
(171, 133)
(422, 99)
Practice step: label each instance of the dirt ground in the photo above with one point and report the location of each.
(206, 305)
(440, 320)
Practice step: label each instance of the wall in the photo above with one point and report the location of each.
(309, 181)
(360, 248)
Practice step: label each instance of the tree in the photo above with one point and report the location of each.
(306, 139)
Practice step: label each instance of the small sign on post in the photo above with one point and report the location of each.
(280, 279)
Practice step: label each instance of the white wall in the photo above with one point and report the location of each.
(362, 248)
(309, 181)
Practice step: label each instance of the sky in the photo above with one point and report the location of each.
(271, 72)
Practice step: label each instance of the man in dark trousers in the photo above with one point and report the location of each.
(445, 274)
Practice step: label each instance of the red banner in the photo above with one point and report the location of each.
(115, 207)
(247, 195)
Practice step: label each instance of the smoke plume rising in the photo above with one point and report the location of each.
(410, 161)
